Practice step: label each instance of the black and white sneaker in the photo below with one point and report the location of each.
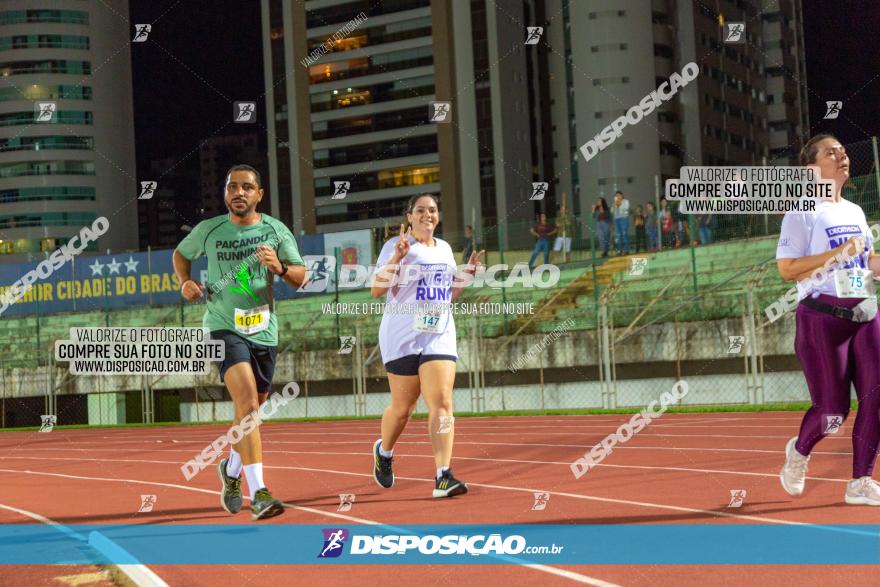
(382, 472)
(449, 486)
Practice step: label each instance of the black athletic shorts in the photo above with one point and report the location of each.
(239, 350)
(409, 365)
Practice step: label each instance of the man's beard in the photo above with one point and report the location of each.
(242, 213)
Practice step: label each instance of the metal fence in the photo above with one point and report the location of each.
(614, 333)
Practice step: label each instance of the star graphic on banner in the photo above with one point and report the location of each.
(113, 266)
(97, 268)
(131, 265)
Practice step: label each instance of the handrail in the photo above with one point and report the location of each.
(698, 297)
(650, 304)
(539, 309)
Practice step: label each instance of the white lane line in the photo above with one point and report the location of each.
(465, 432)
(174, 485)
(372, 435)
(566, 574)
(617, 501)
(531, 421)
(419, 479)
(770, 415)
(491, 460)
(141, 575)
(580, 578)
(457, 443)
(464, 427)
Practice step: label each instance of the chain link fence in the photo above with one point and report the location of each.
(612, 333)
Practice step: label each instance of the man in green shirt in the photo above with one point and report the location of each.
(245, 250)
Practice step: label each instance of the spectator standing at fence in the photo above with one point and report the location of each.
(621, 223)
(563, 233)
(706, 228)
(541, 231)
(639, 224)
(651, 226)
(837, 333)
(680, 223)
(666, 223)
(467, 243)
(602, 215)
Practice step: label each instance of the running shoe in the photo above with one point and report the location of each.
(794, 473)
(230, 493)
(263, 505)
(862, 491)
(449, 486)
(382, 472)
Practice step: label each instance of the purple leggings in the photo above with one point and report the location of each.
(834, 354)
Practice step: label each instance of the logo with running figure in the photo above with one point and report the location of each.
(541, 501)
(346, 500)
(147, 503)
(340, 190)
(833, 423)
(244, 112)
(346, 344)
(148, 189)
(539, 190)
(320, 269)
(833, 108)
(45, 112)
(737, 497)
(735, 344)
(334, 540)
(637, 265)
(440, 111)
(47, 422)
(141, 32)
(734, 32)
(446, 424)
(243, 278)
(533, 34)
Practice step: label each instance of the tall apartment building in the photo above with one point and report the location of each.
(786, 69)
(360, 112)
(58, 176)
(748, 106)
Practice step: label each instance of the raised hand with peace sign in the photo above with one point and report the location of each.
(402, 247)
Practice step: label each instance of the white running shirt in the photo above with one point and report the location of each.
(811, 233)
(432, 271)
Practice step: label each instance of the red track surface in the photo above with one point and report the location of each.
(680, 469)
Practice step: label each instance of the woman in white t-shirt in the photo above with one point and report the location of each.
(417, 272)
(837, 339)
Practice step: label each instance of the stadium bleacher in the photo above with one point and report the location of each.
(722, 269)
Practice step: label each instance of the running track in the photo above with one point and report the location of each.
(680, 469)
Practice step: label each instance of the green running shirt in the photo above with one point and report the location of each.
(239, 287)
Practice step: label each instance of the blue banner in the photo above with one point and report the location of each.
(114, 281)
(630, 544)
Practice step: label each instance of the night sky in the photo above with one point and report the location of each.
(202, 55)
(843, 63)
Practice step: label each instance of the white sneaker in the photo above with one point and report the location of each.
(794, 473)
(862, 491)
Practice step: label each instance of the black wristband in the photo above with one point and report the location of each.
(284, 269)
